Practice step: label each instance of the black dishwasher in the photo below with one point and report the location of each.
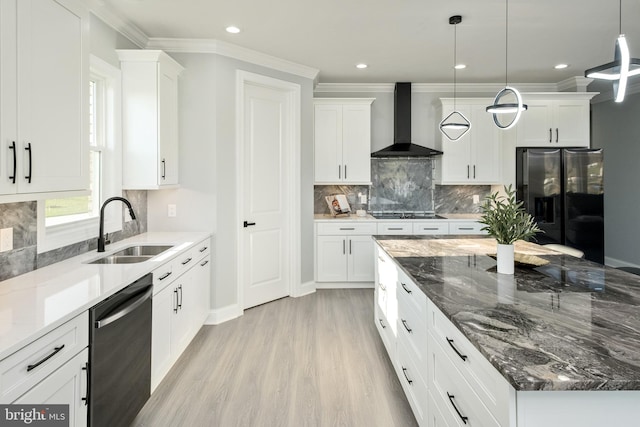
(120, 355)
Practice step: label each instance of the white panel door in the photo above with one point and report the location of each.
(356, 143)
(361, 265)
(535, 128)
(572, 123)
(168, 114)
(8, 98)
(485, 147)
(456, 162)
(265, 203)
(52, 86)
(328, 143)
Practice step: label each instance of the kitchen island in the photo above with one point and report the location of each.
(562, 340)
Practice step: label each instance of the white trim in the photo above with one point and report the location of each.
(344, 285)
(574, 84)
(306, 288)
(224, 314)
(294, 100)
(614, 262)
(232, 51)
(487, 88)
(116, 21)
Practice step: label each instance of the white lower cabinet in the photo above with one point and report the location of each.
(386, 305)
(180, 307)
(344, 252)
(66, 386)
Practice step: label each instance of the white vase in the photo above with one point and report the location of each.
(505, 259)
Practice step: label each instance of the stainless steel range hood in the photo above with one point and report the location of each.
(402, 145)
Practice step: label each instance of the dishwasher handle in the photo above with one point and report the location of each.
(126, 309)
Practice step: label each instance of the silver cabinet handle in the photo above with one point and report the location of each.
(175, 301)
(344, 246)
(339, 172)
(165, 276)
(347, 228)
(474, 171)
(186, 261)
(164, 169)
(204, 263)
(204, 248)
(557, 134)
(395, 228)
(349, 246)
(345, 171)
(465, 228)
(550, 134)
(467, 171)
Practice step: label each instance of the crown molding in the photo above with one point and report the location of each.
(574, 84)
(232, 51)
(113, 19)
(484, 88)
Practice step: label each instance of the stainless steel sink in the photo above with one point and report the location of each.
(122, 259)
(142, 250)
(132, 254)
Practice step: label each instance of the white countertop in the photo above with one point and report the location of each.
(369, 218)
(35, 303)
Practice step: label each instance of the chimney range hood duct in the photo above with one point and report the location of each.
(402, 145)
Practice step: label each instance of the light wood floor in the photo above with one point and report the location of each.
(316, 360)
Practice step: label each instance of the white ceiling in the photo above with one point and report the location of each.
(404, 40)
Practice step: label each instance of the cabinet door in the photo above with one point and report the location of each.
(181, 320)
(356, 143)
(331, 254)
(361, 265)
(52, 90)
(328, 143)
(535, 128)
(571, 123)
(164, 304)
(485, 147)
(8, 98)
(168, 132)
(456, 161)
(66, 386)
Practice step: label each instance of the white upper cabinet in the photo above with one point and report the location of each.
(342, 138)
(44, 106)
(555, 120)
(150, 119)
(474, 158)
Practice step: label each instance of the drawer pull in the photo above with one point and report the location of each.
(381, 259)
(404, 371)
(347, 228)
(186, 261)
(404, 323)
(430, 228)
(165, 276)
(465, 228)
(406, 289)
(383, 287)
(204, 248)
(395, 228)
(462, 417)
(204, 263)
(55, 351)
(462, 356)
(382, 324)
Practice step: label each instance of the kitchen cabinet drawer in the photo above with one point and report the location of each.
(28, 366)
(431, 227)
(411, 295)
(384, 330)
(412, 383)
(412, 333)
(395, 228)
(162, 276)
(490, 386)
(470, 227)
(459, 404)
(346, 228)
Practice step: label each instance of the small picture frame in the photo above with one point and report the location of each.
(338, 204)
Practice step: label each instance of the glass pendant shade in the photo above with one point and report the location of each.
(455, 125)
(500, 108)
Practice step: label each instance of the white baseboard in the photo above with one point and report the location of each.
(305, 289)
(344, 285)
(224, 314)
(613, 262)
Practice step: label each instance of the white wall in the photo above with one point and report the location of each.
(104, 41)
(615, 127)
(206, 199)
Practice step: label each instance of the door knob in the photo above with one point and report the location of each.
(247, 224)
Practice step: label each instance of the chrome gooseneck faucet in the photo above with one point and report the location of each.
(106, 202)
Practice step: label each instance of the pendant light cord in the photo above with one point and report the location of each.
(455, 51)
(620, 18)
(506, 43)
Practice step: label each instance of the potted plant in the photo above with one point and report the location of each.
(506, 220)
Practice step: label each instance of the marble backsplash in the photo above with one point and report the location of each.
(22, 217)
(404, 185)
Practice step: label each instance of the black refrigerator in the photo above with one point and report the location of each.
(563, 190)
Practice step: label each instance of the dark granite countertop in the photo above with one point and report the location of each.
(568, 325)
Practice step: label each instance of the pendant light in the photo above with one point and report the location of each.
(622, 67)
(498, 108)
(455, 125)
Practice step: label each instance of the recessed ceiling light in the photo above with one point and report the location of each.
(460, 67)
(362, 66)
(561, 66)
(233, 30)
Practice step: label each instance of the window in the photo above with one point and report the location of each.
(70, 220)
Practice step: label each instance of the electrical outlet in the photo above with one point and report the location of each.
(363, 198)
(6, 239)
(476, 199)
(171, 211)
